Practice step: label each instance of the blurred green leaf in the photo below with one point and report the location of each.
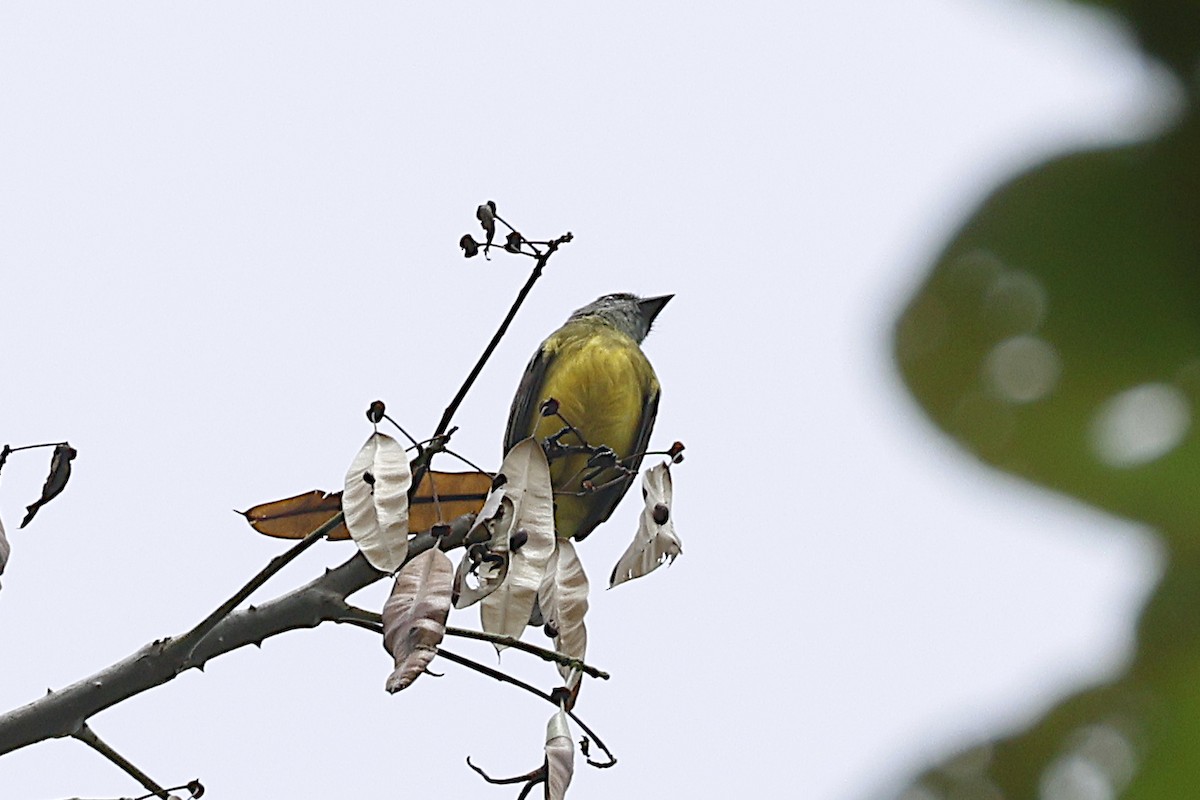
(1058, 338)
(1167, 29)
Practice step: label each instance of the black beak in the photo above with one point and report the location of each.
(650, 306)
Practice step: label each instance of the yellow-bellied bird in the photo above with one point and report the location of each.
(593, 366)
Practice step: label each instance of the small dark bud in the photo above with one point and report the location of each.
(376, 411)
(499, 480)
(470, 246)
(518, 540)
(661, 514)
(439, 530)
(550, 631)
(486, 214)
(512, 242)
(196, 788)
(561, 696)
(677, 459)
(550, 407)
(368, 479)
(675, 450)
(585, 746)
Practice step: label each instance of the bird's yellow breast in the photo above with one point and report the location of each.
(602, 381)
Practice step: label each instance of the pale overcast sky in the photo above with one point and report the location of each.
(225, 228)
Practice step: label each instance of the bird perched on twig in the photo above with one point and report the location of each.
(603, 396)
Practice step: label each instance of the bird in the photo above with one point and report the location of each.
(604, 388)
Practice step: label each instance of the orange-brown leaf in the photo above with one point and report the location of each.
(296, 517)
(458, 493)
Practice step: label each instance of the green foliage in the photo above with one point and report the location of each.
(1058, 338)
(1167, 29)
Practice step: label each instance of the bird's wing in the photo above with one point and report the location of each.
(606, 500)
(526, 402)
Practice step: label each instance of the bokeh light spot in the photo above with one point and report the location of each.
(921, 793)
(1108, 748)
(1022, 369)
(1074, 777)
(1015, 302)
(1140, 424)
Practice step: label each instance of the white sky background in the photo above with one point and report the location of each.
(225, 228)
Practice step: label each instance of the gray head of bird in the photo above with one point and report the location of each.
(627, 313)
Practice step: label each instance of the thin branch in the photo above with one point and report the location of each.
(420, 465)
(89, 737)
(64, 712)
(536, 775)
(31, 446)
(533, 649)
(186, 643)
(512, 312)
(503, 678)
(400, 428)
(373, 621)
(466, 461)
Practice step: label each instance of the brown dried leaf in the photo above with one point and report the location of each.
(296, 517)
(56, 481)
(458, 493)
(414, 616)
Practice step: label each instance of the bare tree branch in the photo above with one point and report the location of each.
(86, 735)
(64, 712)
